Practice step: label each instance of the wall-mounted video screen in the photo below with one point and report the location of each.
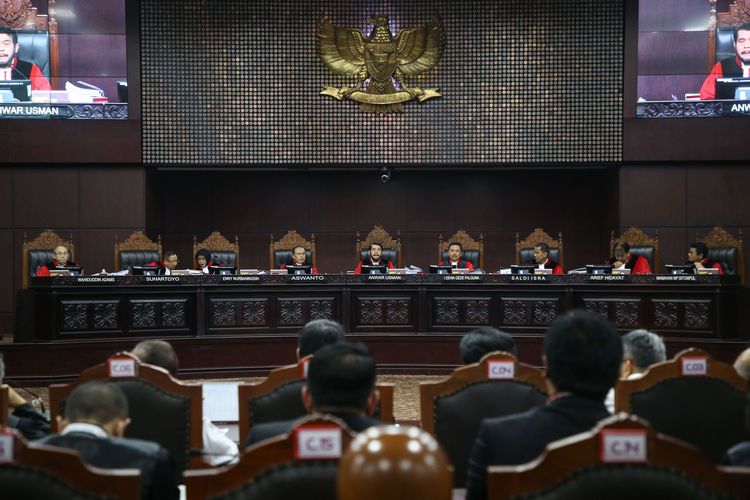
(63, 59)
(693, 58)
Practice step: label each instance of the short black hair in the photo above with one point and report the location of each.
(341, 375)
(169, 253)
(318, 333)
(479, 342)
(96, 402)
(622, 246)
(4, 30)
(584, 353)
(205, 253)
(700, 248)
(455, 243)
(375, 243)
(741, 27)
(643, 348)
(158, 353)
(543, 246)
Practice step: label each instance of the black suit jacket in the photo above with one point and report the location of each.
(260, 432)
(158, 473)
(517, 439)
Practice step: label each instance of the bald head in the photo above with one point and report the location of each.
(742, 364)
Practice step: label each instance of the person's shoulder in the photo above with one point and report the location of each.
(137, 445)
(739, 454)
(259, 432)
(509, 425)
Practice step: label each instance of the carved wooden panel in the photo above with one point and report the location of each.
(515, 312)
(105, 315)
(384, 311)
(683, 314)
(457, 310)
(628, 313)
(75, 316)
(665, 314)
(545, 311)
(161, 313)
(321, 309)
(254, 312)
(290, 312)
(597, 306)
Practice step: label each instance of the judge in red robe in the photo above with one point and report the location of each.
(376, 250)
(59, 262)
(167, 264)
(698, 256)
(636, 263)
(203, 260)
(13, 68)
(542, 260)
(299, 258)
(736, 67)
(455, 252)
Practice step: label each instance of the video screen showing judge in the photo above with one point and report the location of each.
(55, 54)
(685, 46)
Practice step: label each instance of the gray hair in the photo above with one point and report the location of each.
(644, 348)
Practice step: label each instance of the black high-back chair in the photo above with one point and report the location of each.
(691, 397)
(162, 409)
(391, 247)
(725, 249)
(641, 245)
(525, 247)
(137, 250)
(473, 250)
(452, 409)
(279, 397)
(39, 252)
(280, 252)
(223, 252)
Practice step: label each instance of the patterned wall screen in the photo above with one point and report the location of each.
(232, 82)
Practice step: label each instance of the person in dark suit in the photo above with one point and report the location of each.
(582, 354)
(96, 415)
(483, 340)
(340, 382)
(317, 333)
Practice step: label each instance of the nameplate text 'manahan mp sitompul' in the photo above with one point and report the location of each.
(381, 61)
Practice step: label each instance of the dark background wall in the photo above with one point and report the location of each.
(86, 178)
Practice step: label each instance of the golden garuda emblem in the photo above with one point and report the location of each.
(380, 59)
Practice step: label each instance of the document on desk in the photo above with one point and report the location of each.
(220, 401)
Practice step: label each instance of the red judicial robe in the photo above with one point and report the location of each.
(710, 263)
(460, 264)
(160, 265)
(314, 270)
(551, 264)
(729, 67)
(370, 262)
(637, 265)
(31, 71)
(44, 270)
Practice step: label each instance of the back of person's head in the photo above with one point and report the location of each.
(643, 348)
(388, 462)
(318, 333)
(583, 354)
(479, 342)
(742, 364)
(700, 248)
(341, 375)
(2, 368)
(99, 403)
(158, 353)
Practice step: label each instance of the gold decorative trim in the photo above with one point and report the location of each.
(381, 236)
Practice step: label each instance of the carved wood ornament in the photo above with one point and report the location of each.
(47, 240)
(535, 238)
